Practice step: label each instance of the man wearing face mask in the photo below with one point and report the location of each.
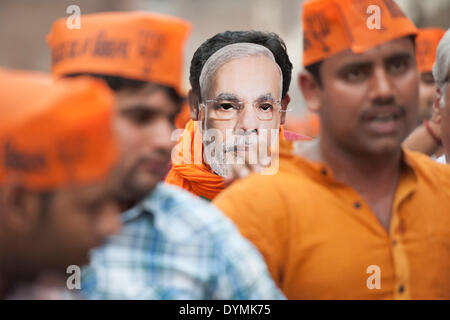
(238, 101)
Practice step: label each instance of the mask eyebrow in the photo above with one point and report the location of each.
(265, 97)
(227, 96)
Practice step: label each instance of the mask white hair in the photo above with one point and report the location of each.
(228, 53)
(441, 67)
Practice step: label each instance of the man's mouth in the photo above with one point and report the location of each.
(386, 117)
(385, 121)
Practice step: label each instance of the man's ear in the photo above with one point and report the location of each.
(22, 208)
(310, 90)
(284, 104)
(193, 105)
(436, 117)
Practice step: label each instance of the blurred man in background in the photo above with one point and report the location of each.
(441, 106)
(426, 137)
(56, 202)
(351, 215)
(173, 245)
(427, 41)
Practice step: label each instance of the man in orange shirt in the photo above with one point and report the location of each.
(56, 200)
(352, 215)
(230, 73)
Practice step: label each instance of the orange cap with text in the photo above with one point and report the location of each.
(54, 133)
(427, 41)
(137, 45)
(332, 26)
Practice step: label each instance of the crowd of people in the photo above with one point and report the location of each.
(234, 206)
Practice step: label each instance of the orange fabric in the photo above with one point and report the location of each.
(188, 170)
(318, 236)
(332, 26)
(52, 131)
(427, 41)
(137, 45)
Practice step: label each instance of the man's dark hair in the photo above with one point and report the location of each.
(117, 83)
(314, 68)
(267, 39)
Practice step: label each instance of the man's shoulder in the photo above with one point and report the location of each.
(184, 216)
(429, 169)
(426, 164)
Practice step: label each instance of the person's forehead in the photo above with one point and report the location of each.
(244, 64)
(248, 75)
(385, 50)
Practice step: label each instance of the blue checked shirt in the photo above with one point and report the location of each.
(177, 246)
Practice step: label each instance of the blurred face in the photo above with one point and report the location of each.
(427, 90)
(368, 102)
(78, 219)
(144, 122)
(241, 110)
(50, 231)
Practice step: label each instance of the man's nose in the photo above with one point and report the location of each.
(248, 120)
(381, 87)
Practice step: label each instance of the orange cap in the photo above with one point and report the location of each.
(332, 26)
(54, 133)
(427, 41)
(136, 45)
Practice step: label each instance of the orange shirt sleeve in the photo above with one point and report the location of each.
(256, 206)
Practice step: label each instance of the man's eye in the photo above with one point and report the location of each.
(355, 75)
(226, 106)
(140, 117)
(266, 107)
(398, 66)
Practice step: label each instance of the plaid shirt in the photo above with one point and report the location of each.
(177, 246)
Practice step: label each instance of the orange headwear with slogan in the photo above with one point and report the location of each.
(137, 45)
(188, 169)
(332, 26)
(427, 41)
(54, 133)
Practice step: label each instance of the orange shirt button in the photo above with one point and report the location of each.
(401, 289)
(357, 204)
(324, 172)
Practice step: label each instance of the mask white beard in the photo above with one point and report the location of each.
(225, 155)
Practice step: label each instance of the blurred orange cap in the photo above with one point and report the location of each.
(332, 26)
(54, 133)
(427, 41)
(136, 45)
